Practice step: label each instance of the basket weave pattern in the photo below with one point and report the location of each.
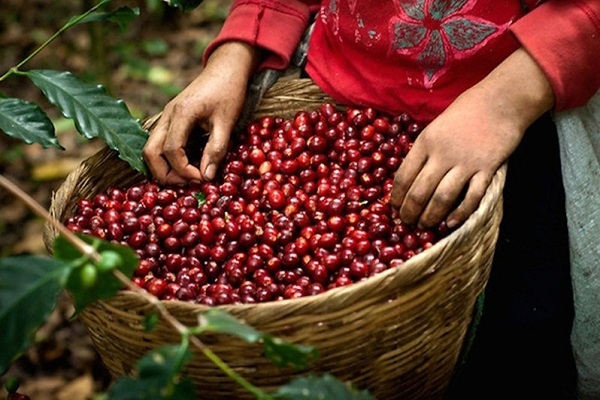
(398, 334)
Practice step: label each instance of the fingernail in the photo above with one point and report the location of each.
(210, 171)
(451, 223)
(196, 181)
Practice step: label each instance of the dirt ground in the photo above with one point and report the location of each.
(146, 64)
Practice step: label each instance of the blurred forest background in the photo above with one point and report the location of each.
(145, 64)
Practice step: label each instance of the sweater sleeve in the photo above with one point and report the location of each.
(274, 25)
(563, 36)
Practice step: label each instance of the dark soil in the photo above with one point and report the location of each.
(145, 65)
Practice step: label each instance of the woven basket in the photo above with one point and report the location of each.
(398, 334)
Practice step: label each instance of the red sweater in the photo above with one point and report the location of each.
(417, 56)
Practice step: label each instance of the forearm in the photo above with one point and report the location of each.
(517, 90)
(238, 60)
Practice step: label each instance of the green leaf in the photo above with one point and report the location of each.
(278, 351)
(283, 354)
(122, 16)
(29, 291)
(106, 285)
(95, 113)
(158, 377)
(27, 121)
(215, 320)
(79, 19)
(185, 5)
(325, 387)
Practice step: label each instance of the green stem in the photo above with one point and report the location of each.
(69, 24)
(259, 394)
(183, 348)
(185, 331)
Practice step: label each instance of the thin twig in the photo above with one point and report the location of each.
(194, 340)
(84, 248)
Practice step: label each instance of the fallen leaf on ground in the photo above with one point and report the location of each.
(55, 169)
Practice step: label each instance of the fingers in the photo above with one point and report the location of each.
(174, 147)
(165, 150)
(153, 151)
(403, 181)
(444, 198)
(215, 150)
(430, 196)
(436, 195)
(426, 192)
(475, 192)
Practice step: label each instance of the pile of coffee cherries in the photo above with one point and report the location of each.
(299, 206)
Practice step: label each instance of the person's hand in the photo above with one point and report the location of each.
(457, 153)
(453, 160)
(213, 102)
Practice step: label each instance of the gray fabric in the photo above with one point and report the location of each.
(579, 138)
